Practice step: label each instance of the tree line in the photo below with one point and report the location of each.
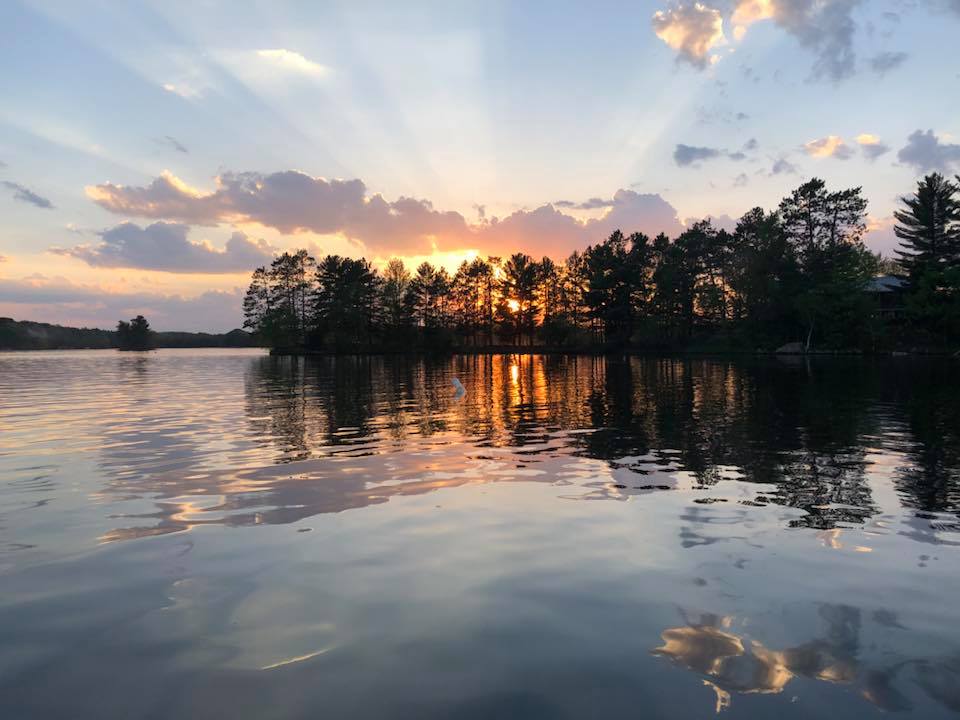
(799, 273)
(28, 335)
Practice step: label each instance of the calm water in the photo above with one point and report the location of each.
(214, 534)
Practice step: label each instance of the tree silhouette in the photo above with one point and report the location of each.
(929, 226)
(135, 335)
(799, 273)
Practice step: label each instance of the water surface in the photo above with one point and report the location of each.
(210, 534)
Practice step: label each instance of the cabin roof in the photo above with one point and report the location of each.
(886, 284)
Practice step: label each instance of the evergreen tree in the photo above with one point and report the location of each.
(825, 230)
(344, 301)
(135, 335)
(929, 226)
(396, 281)
(519, 287)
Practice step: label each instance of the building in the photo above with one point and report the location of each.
(888, 293)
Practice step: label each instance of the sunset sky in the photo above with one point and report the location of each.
(153, 153)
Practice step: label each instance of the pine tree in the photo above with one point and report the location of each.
(929, 226)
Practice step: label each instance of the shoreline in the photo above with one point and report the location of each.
(632, 352)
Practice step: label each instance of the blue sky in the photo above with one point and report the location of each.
(154, 153)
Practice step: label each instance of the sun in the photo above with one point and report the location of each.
(513, 305)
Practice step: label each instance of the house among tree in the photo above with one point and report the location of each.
(887, 292)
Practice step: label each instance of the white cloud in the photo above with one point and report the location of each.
(290, 61)
(184, 90)
(692, 30)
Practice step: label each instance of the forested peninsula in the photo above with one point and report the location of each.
(797, 278)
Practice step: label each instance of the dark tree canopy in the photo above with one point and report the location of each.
(135, 335)
(929, 226)
(797, 274)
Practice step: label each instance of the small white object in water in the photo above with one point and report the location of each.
(461, 390)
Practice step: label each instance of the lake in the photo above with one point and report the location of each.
(214, 534)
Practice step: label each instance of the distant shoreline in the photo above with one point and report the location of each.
(633, 352)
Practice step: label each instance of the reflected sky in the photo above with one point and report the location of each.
(279, 536)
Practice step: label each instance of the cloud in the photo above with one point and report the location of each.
(751, 144)
(174, 143)
(719, 222)
(292, 202)
(871, 146)
(686, 155)
(887, 61)
(924, 152)
(692, 30)
(591, 204)
(184, 90)
(547, 231)
(3, 258)
(825, 27)
(291, 62)
(164, 246)
(880, 236)
(783, 167)
(741, 180)
(26, 195)
(829, 146)
(57, 300)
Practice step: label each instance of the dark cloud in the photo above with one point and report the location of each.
(292, 201)
(887, 61)
(741, 180)
(825, 27)
(692, 30)
(57, 300)
(174, 143)
(871, 151)
(715, 115)
(165, 246)
(686, 155)
(26, 195)
(924, 152)
(751, 144)
(783, 167)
